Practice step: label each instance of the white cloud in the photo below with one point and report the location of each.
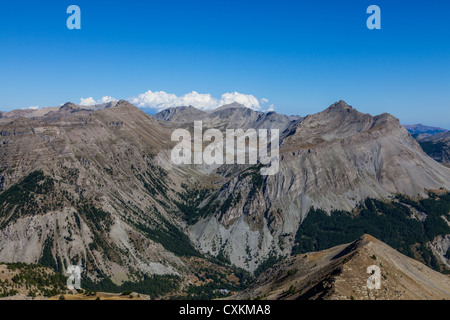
(161, 100)
(91, 101)
(247, 100)
(87, 102)
(271, 108)
(204, 101)
(106, 99)
(30, 108)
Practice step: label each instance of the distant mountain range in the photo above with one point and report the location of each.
(437, 146)
(421, 129)
(434, 141)
(96, 185)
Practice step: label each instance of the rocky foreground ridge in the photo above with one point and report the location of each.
(340, 273)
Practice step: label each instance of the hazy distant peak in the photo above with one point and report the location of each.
(337, 112)
(233, 105)
(180, 114)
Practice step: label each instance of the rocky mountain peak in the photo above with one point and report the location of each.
(122, 110)
(340, 106)
(123, 104)
(69, 105)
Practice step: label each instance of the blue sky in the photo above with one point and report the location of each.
(299, 55)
